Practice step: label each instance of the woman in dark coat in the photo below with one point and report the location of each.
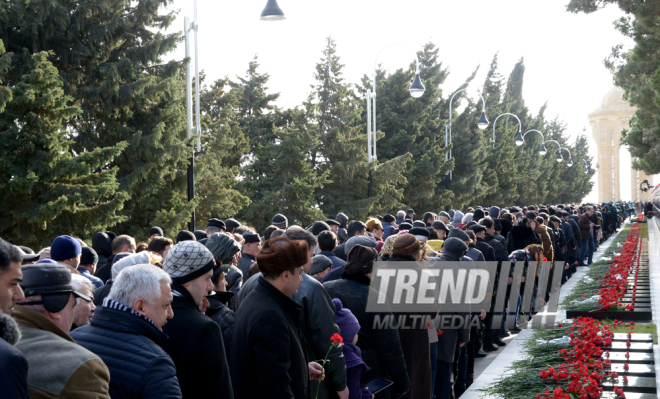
(414, 341)
(267, 359)
(381, 347)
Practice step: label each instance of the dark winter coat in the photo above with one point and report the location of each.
(340, 252)
(104, 272)
(131, 348)
(336, 262)
(388, 229)
(196, 347)
(220, 312)
(415, 345)
(101, 293)
(507, 226)
(268, 360)
(486, 250)
(577, 237)
(234, 280)
(244, 264)
(520, 237)
(474, 254)
(450, 337)
(13, 365)
(500, 250)
(381, 347)
(542, 232)
(319, 323)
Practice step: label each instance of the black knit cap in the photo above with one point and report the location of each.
(155, 230)
(185, 235)
(89, 256)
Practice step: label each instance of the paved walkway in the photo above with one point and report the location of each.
(491, 368)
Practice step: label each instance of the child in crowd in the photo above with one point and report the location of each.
(355, 366)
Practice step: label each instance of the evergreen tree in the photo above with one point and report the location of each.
(217, 167)
(280, 178)
(414, 125)
(110, 57)
(48, 189)
(342, 150)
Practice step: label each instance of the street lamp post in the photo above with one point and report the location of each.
(521, 140)
(570, 157)
(416, 89)
(271, 12)
(559, 157)
(518, 136)
(586, 166)
(482, 123)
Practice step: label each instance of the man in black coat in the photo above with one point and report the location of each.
(250, 249)
(13, 365)
(195, 343)
(482, 245)
(498, 248)
(268, 359)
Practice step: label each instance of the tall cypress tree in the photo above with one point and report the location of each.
(217, 167)
(110, 57)
(48, 189)
(415, 125)
(342, 150)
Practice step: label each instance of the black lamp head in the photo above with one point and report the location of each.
(417, 87)
(482, 123)
(272, 12)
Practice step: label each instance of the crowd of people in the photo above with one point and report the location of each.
(231, 312)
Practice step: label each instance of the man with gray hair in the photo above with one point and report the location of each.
(126, 333)
(83, 309)
(400, 217)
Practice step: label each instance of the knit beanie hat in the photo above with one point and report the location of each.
(102, 244)
(360, 260)
(366, 241)
(494, 212)
(280, 221)
(89, 256)
(185, 235)
(346, 321)
(200, 234)
(188, 260)
(155, 230)
(406, 244)
(130, 260)
(455, 246)
(318, 227)
(222, 247)
(64, 247)
(389, 218)
(478, 215)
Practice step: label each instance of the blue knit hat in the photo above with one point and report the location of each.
(346, 321)
(64, 247)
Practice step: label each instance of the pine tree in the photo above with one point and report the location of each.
(110, 58)
(342, 150)
(48, 189)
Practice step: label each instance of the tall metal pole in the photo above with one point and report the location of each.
(189, 125)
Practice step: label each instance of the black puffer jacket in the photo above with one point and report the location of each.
(381, 347)
(13, 365)
(131, 348)
(520, 237)
(220, 312)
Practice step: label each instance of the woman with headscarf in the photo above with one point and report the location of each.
(381, 347)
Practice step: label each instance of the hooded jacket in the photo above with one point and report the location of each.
(380, 347)
(130, 346)
(13, 365)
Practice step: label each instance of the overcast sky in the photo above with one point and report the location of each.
(563, 52)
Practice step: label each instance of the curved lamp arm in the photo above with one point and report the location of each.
(570, 157)
(530, 131)
(566, 149)
(559, 157)
(542, 151)
(495, 122)
(448, 128)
